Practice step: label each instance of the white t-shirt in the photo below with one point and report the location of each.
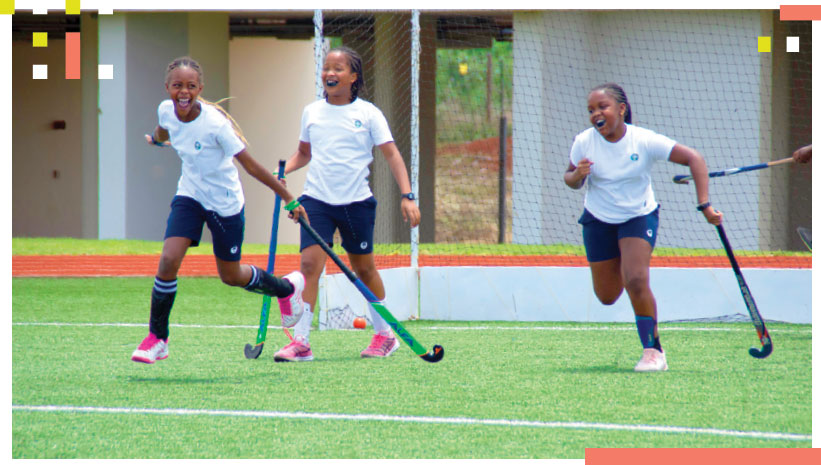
(342, 139)
(618, 187)
(207, 147)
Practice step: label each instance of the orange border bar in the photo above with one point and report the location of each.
(701, 456)
(72, 55)
(800, 12)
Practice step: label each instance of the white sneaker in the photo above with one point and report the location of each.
(151, 350)
(652, 360)
(291, 307)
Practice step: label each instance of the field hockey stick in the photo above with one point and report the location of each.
(763, 335)
(806, 236)
(255, 350)
(434, 356)
(686, 178)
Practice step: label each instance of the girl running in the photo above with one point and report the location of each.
(338, 134)
(621, 214)
(207, 140)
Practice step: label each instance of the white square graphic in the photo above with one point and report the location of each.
(105, 71)
(39, 11)
(792, 44)
(39, 71)
(105, 11)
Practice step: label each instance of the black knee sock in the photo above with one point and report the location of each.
(162, 299)
(263, 282)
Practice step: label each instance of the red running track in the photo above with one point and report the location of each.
(204, 265)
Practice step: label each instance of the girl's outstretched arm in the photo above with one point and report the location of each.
(687, 156)
(255, 169)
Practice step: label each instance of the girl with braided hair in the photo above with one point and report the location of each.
(207, 140)
(337, 138)
(621, 214)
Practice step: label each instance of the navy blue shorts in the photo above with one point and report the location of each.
(355, 222)
(601, 240)
(187, 217)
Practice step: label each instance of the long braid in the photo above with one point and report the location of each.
(188, 62)
(614, 90)
(225, 113)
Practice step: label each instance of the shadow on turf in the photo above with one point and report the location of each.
(609, 369)
(191, 380)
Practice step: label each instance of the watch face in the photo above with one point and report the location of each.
(409, 196)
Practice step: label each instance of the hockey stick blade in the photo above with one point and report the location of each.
(766, 348)
(253, 351)
(433, 356)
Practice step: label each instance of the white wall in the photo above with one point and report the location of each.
(566, 294)
(271, 81)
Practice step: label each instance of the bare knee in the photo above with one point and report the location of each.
(637, 284)
(311, 269)
(233, 273)
(169, 266)
(608, 297)
(232, 280)
(367, 274)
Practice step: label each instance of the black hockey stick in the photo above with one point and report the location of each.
(752, 308)
(433, 356)
(255, 350)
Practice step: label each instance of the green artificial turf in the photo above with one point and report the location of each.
(553, 374)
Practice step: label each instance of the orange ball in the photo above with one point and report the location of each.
(359, 323)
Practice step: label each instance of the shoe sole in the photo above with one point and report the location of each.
(137, 358)
(308, 358)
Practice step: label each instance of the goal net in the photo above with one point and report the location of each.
(500, 97)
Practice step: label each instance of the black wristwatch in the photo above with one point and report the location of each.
(409, 196)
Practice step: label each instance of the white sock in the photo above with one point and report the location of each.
(303, 326)
(379, 323)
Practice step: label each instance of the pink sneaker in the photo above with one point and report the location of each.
(382, 345)
(296, 351)
(652, 360)
(291, 307)
(151, 350)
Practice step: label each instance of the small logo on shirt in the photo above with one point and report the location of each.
(197, 145)
(363, 245)
(649, 233)
(235, 248)
(634, 157)
(357, 123)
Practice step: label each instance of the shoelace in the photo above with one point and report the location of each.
(378, 341)
(148, 343)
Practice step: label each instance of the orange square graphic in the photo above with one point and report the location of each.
(72, 55)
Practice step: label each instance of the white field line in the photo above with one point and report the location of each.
(623, 327)
(416, 419)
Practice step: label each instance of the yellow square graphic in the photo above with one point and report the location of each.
(72, 7)
(40, 39)
(6, 7)
(764, 44)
